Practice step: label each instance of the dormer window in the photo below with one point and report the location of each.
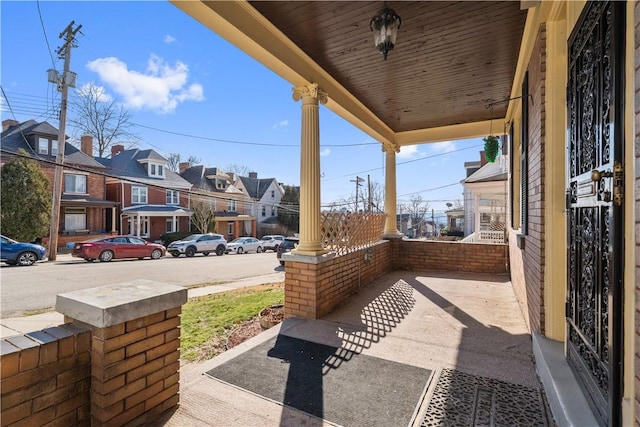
(43, 146)
(156, 170)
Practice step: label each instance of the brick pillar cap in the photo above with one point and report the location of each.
(110, 305)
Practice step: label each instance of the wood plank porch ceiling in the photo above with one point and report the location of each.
(451, 59)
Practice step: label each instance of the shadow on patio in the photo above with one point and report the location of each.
(409, 349)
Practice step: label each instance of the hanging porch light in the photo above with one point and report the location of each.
(385, 27)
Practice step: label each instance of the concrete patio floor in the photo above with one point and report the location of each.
(469, 323)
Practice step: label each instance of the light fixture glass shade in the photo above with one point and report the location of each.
(385, 27)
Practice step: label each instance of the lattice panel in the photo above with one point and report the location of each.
(346, 232)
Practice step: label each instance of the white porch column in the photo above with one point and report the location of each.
(390, 225)
(175, 224)
(310, 237)
(113, 219)
(137, 225)
(476, 209)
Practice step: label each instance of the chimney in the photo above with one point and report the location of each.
(253, 175)
(6, 124)
(231, 176)
(116, 149)
(183, 166)
(483, 159)
(86, 144)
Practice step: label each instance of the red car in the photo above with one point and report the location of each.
(115, 247)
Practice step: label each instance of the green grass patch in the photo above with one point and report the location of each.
(208, 320)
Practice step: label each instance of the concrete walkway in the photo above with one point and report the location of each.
(451, 324)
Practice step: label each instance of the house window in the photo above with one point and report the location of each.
(524, 158)
(138, 194)
(173, 197)
(75, 219)
(169, 227)
(230, 229)
(54, 148)
(156, 170)
(232, 205)
(43, 146)
(264, 210)
(75, 184)
(273, 194)
(273, 210)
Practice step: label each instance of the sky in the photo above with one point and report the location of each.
(189, 91)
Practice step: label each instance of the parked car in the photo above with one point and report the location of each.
(286, 246)
(117, 247)
(272, 242)
(18, 253)
(244, 244)
(199, 244)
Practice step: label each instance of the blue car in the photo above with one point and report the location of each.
(16, 253)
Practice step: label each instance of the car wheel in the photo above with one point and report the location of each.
(205, 253)
(259, 249)
(26, 258)
(240, 250)
(106, 256)
(220, 250)
(175, 255)
(191, 251)
(156, 254)
(275, 249)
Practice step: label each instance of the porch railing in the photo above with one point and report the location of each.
(346, 232)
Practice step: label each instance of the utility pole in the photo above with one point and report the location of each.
(358, 180)
(370, 200)
(433, 221)
(63, 81)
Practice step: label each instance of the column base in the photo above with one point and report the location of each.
(309, 249)
(393, 235)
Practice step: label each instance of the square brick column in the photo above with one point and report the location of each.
(135, 348)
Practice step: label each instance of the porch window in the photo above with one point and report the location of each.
(230, 228)
(75, 219)
(173, 197)
(138, 195)
(169, 226)
(75, 184)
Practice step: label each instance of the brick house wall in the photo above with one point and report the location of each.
(529, 260)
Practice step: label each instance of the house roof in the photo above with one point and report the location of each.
(73, 200)
(126, 166)
(202, 178)
(256, 187)
(16, 137)
(492, 171)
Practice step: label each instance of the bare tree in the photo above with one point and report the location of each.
(203, 217)
(175, 159)
(237, 170)
(417, 209)
(98, 115)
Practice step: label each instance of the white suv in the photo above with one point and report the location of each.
(272, 242)
(199, 244)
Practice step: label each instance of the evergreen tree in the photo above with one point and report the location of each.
(26, 200)
(289, 211)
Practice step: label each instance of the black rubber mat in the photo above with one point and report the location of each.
(331, 383)
(461, 399)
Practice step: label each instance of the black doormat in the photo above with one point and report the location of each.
(337, 385)
(461, 399)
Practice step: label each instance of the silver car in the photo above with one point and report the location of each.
(244, 244)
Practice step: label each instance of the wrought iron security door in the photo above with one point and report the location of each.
(594, 205)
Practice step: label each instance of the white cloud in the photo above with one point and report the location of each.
(409, 152)
(443, 147)
(283, 123)
(325, 152)
(168, 39)
(95, 92)
(160, 87)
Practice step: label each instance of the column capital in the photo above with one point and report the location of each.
(390, 148)
(310, 91)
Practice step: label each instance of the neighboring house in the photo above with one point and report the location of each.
(228, 202)
(485, 201)
(83, 207)
(455, 222)
(153, 200)
(404, 224)
(265, 195)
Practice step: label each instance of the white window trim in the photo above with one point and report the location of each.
(172, 195)
(140, 193)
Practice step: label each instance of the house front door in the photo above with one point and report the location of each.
(594, 206)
